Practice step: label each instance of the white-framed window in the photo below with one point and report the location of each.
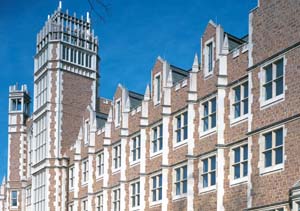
(156, 138)
(117, 156)
(14, 198)
(100, 164)
(272, 150)
(272, 82)
(65, 53)
(157, 88)
(84, 205)
(40, 138)
(135, 148)
(209, 57)
(156, 188)
(240, 102)
(71, 207)
(209, 115)
(28, 196)
(239, 163)
(208, 173)
(181, 131)
(85, 171)
(180, 180)
(99, 202)
(41, 90)
(116, 199)
(86, 132)
(118, 113)
(135, 194)
(16, 104)
(71, 177)
(39, 181)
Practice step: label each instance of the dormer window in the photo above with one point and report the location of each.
(118, 113)
(157, 89)
(208, 57)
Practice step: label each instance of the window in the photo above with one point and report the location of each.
(273, 148)
(156, 188)
(240, 162)
(65, 53)
(210, 56)
(71, 177)
(41, 91)
(71, 207)
(14, 198)
(40, 138)
(100, 202)
(100, 164)
(180, 180)
(208, 175)
(209, 118)
(136, 148)
(181, 127)
(117, 156)
(135, 194)
(157, 139)
(273, 84)
(116, 200)
(240, 104)
(85, 171)
(87, 132)
(85, 205)
(39, 190)
(28, 196)
(157, 89)
(118, 113)
(16, 104)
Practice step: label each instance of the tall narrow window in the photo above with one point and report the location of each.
(14, 198)
(100, 202)
(40, 137)
(39, 190)
(208, 172)
(85, 205)
(157, 88)
(136, 148)
(100, 164)
(181, 127)
(273, 148)
(117, 157)
(116, 200)
(16, 104)
(85, 171)
(118, 113)
(180, 180)
(210, 56)
(135, 194)
(209, 118)
(240, 105)
(41, 91)
(240, 162)
(156, 188)
(28, 196)
(71, 177)
(157, 139)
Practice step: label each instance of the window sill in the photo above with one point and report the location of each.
(98, 178)
(83, 184)
(115, 171)
(155, 203)
(71, 189)
(134, 163)
(272, 101)
(239, 181)
(179, 197)
(208, 132)
(155, 154)
(208, 74)
(180, 144)
(236, 121)
(208, 189)
(134, 208)
(272, 169)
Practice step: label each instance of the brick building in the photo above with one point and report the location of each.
(220, 136)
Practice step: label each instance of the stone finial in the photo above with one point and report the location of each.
(109, 117)
(60, 5)
(169, 79)
(225, 47)
(147, 93)
(195, 67)
(88, 19)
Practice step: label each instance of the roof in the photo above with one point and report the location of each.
(178, 73)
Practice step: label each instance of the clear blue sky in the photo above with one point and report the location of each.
(134, 34)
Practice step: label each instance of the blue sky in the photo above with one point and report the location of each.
(134, 34)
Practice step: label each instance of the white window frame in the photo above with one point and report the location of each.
(84, 204)
(71, 207)
(116, 196)
(135, 142)
(242, 179)
(100, 164)
(210, 187)
(273, 208)
(181, 181)
(274, 167)
(87, 132)
(210, 129)
(39, 191)
(100, 204)
(118, 112)
(28, 196)
(157, 89)
(262, 76)
(243, 116)
(135, 194)
(41, 134)
(208, 73)
(158, 139)
(85, 171)
(157, 189)
(116, 158)
(16, 104)
(182, 128)
(71, 177)
(12, 199)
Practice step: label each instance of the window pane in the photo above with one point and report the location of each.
(213, 120)
(184, 184)
(185, 118)
(268, 91)
(154, 182)
(237, 155)
(245, 169)
(160, 180)
(245, 148)
(279, 68)
(213, 105)
(213, 163)
(279, 155)
(237, 171)
(154, 195)
(279, 86)
(268, 158)
(205, 165)
(245, 89)
(237, 110)
(185, 132)
(178, 188)
(205, 107)
(205, 124)
(178, 174)
(237, 94)
(269, 73)
(268, 140)
(184, 172)
(213, 178)
(178, 135)
(160, 194)
(246, 106)
(205, 180)
(279, 137)
(178, 122)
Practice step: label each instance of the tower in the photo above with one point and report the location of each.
(17, 144)
(65, 84)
